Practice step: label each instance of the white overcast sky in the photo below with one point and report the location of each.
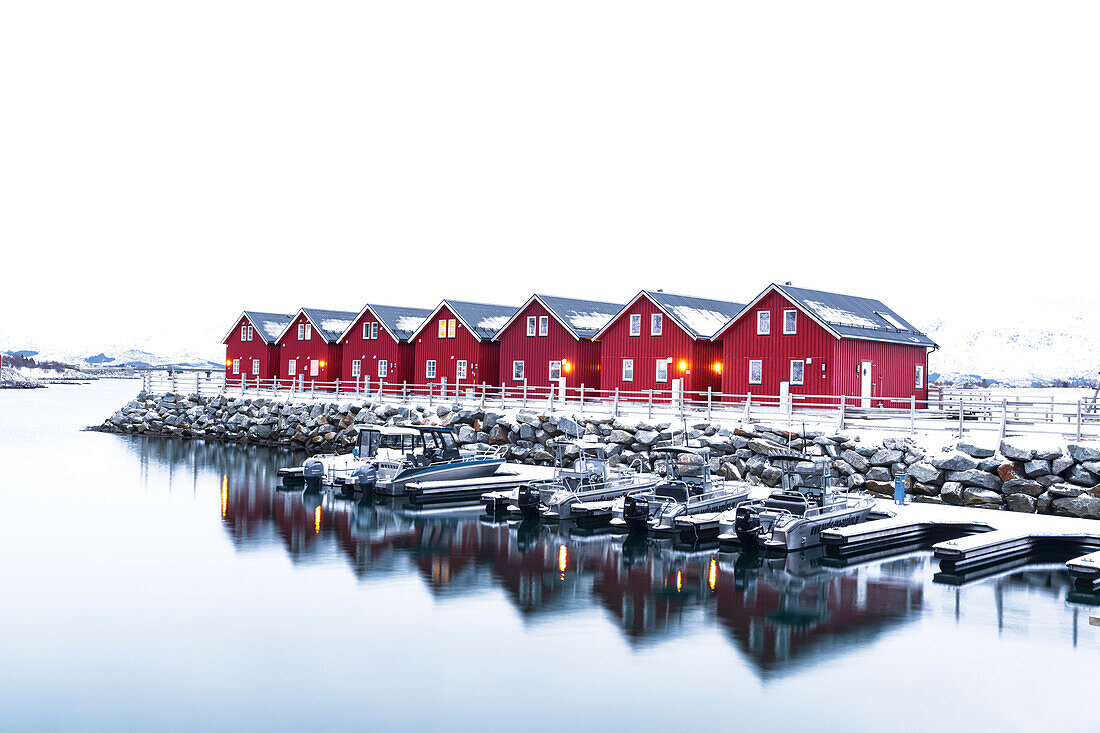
(165, 165)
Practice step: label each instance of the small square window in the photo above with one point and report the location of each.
(628, 368)
(635, 324)
(790, 322)
(656, 324)
(763, 323)
(798, 367)
(517, 371)
(555, 371)
(756, 371)
(662, 370)
(544, 325)
(531, 325)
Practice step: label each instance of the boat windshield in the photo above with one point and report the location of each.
(402, 443)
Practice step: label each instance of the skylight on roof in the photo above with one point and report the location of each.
(891, 320)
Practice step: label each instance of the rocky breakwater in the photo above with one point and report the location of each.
(1013, 476)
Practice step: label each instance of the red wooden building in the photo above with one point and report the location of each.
(818, 343)
(549, 339)
(250, 350)
(454, 345)
(308, 348)
(376, 346)
(662, 342)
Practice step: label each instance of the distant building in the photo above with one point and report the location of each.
(812, 342)
(250, 352)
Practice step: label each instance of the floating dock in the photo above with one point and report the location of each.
(509, 476)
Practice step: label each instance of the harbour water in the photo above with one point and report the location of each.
(152, 584)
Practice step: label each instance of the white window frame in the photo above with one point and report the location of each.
(662, 370)
(366, 331)
(461, 369)
(635, 324)
(794, 324)
(429, 369)
(531, 325)
(244, 333)
(628, 369)
(802, 376)
(443, 328)
(452, 328)
(759, 371)
(374, 330)
(763, 323)
(920, 376)
(551, 371)
(356, 368)
(544, 325)
(292, 367)
(309, 332)
(517, 371)
(255, 367)
(383, 368)
(301, 332)
(236, 366)
(656, 324)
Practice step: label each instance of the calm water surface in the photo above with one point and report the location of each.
(168, 585)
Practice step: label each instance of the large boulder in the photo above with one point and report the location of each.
(974, 451)
(924, 472)
(647, 437)
(466, 434)
(1078, 475)
(955, 462)
(1014, 450)
(1037, 467)
(856, 461)
(1010, 471)
(880, 473)
(952, 493)
(1021, 486)
(1082, 453)
(886, 457)
(1084, 505)
(620, 436)
(973, 496)
(1020, 503)
(974, 477)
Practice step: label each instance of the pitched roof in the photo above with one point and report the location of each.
(268, 325)
(849, 316)
(330, 324)
(582, 318)
(699, 317)
(483, 320)
(401, 322)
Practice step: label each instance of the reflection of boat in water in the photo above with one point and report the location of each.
(792, 518)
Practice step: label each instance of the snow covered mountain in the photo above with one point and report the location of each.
(1020, 353)
(142, 352)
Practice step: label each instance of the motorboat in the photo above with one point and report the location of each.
(439, 459)
(792, 517)
(390, 443)
(583, 474)
(687, 489)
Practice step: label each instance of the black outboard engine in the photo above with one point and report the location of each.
(636, 513)
(312, 471)
(364, 478)
(528, 501)
(746, 523)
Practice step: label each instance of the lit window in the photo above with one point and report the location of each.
(544, 325)
(656, 324)
(460, 369)
(531, 325)
(429, 369)
(790, 322)
(635, 324)
(798, 367)
(383, 368)
(255, 367)
(628, 368)
(920, 376)
(451, 328)
(662, 370)
(763, 323)
(236, 366)
(356, 367)
(756, 371)
(443, 329)
(555, 370)
(517, 371)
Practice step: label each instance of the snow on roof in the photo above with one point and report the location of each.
(270, 325)
(493, 324)
(854, 317)
(839, 316)
(330, 324)
(485, 319)
(401, 321)
(702, 317)
(409, 323)
(584, 317)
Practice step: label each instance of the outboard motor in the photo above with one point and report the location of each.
(746, 523)
(364, 478)
(636, 513)
(528, 501)
(312, 471)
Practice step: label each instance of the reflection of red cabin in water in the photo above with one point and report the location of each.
(819, 343)
(376, 345)
(455, 344)
(309, 351)
(250, 351)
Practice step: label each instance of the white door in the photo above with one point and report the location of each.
(785, 396)
(865, 384)
(677, 390)
(314, 367)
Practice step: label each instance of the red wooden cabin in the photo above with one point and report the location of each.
(549, 339)
(250, 351)
(376, 346)
(820, 343)
(454, 345)
(659, 338)
(308, 348)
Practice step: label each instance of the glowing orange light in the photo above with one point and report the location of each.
(717, 367)
(225, 494)
(322, 365)
(566, 365)
(563, 556)
(229, 362)
(317, 520)
(679, 581)
(683, 366)
(712, 575)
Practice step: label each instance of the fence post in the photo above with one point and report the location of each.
(1052, 408)
(709, 396)
(582, 398)
(405, 391)
(649, 410)
(960, 418)
(312, 387)
(748, 409)
(1004, 418)
(615, 410)
(524, 392)
(275, 385)
(840, 416)
(337, 387)
(1078, 419)
(430, 390)
(483, 396)
(912, 414)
